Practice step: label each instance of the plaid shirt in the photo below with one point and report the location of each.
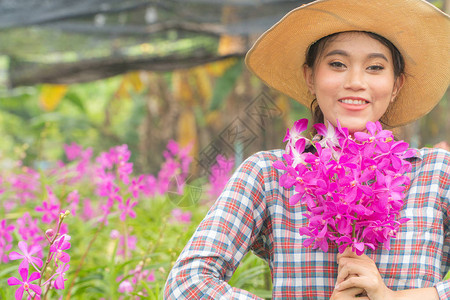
(253, 213)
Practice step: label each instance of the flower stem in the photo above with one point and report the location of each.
(152, 247)
(125, 245)
(48, 281)
(91, 242)
(49, 255)
(125, 240)
(353, 228)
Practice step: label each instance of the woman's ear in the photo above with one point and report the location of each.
(309, 78)
(398, 84)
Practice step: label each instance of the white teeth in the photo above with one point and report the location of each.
(351, 101)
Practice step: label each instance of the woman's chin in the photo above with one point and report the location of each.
(354, 126)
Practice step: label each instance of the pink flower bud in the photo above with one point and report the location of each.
(50, 233)
(125, 287)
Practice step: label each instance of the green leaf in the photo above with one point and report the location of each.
(75, 100)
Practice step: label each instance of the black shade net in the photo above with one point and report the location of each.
(67, 41)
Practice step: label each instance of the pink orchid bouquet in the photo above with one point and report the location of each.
(352, 186)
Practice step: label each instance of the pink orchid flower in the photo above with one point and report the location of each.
(127, 209)
(58, 247)
(27, 256)
(60, 273)
(25, 284)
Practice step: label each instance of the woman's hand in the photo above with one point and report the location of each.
(348, 294)
(360, 272)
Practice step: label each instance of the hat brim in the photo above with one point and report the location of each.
(419, 30)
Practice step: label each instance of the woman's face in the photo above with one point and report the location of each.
(353, 80)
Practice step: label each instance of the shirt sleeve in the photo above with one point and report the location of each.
(221, 240)
(443, 289)
(443, 157)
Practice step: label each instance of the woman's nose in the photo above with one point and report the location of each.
(355, 80)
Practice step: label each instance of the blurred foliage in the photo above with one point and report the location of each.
(141, 109)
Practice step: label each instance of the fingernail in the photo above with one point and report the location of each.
(336, 287)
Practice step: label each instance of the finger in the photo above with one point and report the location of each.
(347, 294)
(350, 292)
(354, 282)
(357, 265)
(352, 269)
(344, 261)
(348, 252)
(343, 274)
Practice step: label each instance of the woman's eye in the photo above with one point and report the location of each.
(376, 68)
(337, 64)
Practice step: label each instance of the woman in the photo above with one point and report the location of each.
(354, 61)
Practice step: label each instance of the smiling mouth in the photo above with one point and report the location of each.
(354, 101)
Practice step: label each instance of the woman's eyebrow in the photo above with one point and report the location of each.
(337, 52)
(378, 55)
(344, 53)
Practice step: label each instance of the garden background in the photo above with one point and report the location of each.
(132, 115)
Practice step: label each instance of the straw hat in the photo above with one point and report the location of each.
(420, 31)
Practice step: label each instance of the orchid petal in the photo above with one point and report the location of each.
(308, 242)
(34, 249)
(300, 145)
(410, 153)
(34, 276)
(324, 245)
(279, 165)
(304, 231)
(24, 264)
(15, 255)
(371, 127)
(301, 125)
(383, 146)
(59, 283)
(321, 129)
(14, 281)
(23, 273)
(65, 246)
(295, 198)
(19, 293)
(358, 246)
(36, 288)
(399, 147)
(37, 261)
(370, 245)
(24, 247)
(287, 137)
(64, 257)
(342, 248)
(361, 136)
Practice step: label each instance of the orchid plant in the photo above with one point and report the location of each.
(106, 199)
(57, 262)
(352, 186)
